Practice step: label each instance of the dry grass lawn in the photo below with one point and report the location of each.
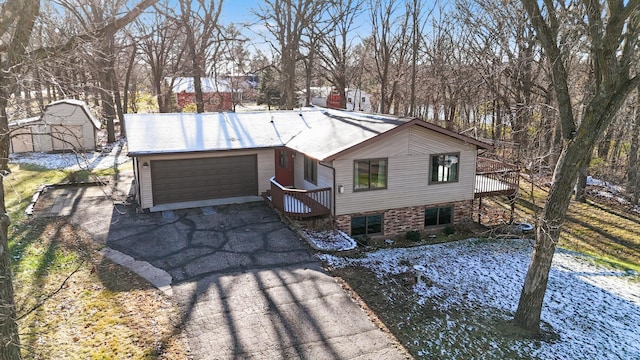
(602, 228)
(74, 304)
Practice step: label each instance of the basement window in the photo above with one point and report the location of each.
(438, 216)
(366, 225)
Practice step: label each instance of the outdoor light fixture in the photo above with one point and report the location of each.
(340, 189)
(145, 165)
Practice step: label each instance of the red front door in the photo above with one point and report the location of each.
(284, 167)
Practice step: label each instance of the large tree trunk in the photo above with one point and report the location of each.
(107, 106)
(547, 234)
(574, 156)
(289, 80)
(9, 340)
(24, 13)
(581, 182)
(125, 91)
(633, 177)
(309, 62)
(197, 87)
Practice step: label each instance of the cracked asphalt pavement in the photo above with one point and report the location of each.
(248, 287)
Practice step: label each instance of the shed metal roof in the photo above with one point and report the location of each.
(317, 132)
(48, 109)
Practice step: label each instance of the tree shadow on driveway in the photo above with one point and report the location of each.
(248, 287)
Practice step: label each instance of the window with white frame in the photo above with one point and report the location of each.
(444, 168)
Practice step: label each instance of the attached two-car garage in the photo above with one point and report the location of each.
(183, 161)
(197, 179)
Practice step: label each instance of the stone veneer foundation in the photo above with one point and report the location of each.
(399, 221)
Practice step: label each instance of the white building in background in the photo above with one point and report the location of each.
(357, 100)
(64, 126)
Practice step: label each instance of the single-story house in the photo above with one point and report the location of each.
(371, 174)
(65, 125)
(218, 95)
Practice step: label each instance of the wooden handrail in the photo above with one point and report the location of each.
(494, 177)
(299, 203)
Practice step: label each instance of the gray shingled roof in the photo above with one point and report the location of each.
(316, 132)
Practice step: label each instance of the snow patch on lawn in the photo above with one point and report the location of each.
(609, 190)
(595, 310)
(330, 240)
(111, 156)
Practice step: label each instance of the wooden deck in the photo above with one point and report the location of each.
(300, 204)
(496, 178)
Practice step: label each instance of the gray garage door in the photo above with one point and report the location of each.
(203, 179)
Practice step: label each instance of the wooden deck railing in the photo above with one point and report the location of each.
(496, 178)
(300, 204)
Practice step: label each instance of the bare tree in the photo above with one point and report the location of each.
(17, 18)
(390, 43)
(336, 54)
(418, 24)
(633, 177)
(160, 41)
(199, 21)
(611, 29)
(288, 21)
(16, 23)
(234, 60)
(91, 15)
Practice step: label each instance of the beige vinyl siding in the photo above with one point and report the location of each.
(324, 175)
(424, 141)
(408, 153)
(265, 169)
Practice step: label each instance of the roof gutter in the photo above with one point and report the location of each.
(185, 152)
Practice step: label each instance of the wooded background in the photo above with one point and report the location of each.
(552, 83)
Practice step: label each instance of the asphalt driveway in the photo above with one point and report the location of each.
(247, 286)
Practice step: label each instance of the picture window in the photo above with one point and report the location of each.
(370, 174)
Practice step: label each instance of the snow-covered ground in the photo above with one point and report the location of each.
(595, 311)
(111, 156)
(605, 189)
(330, 240)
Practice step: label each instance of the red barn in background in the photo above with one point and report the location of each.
(220, 101)
(217, 95)
(333, 100)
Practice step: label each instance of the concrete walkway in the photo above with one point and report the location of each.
(248, 288)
